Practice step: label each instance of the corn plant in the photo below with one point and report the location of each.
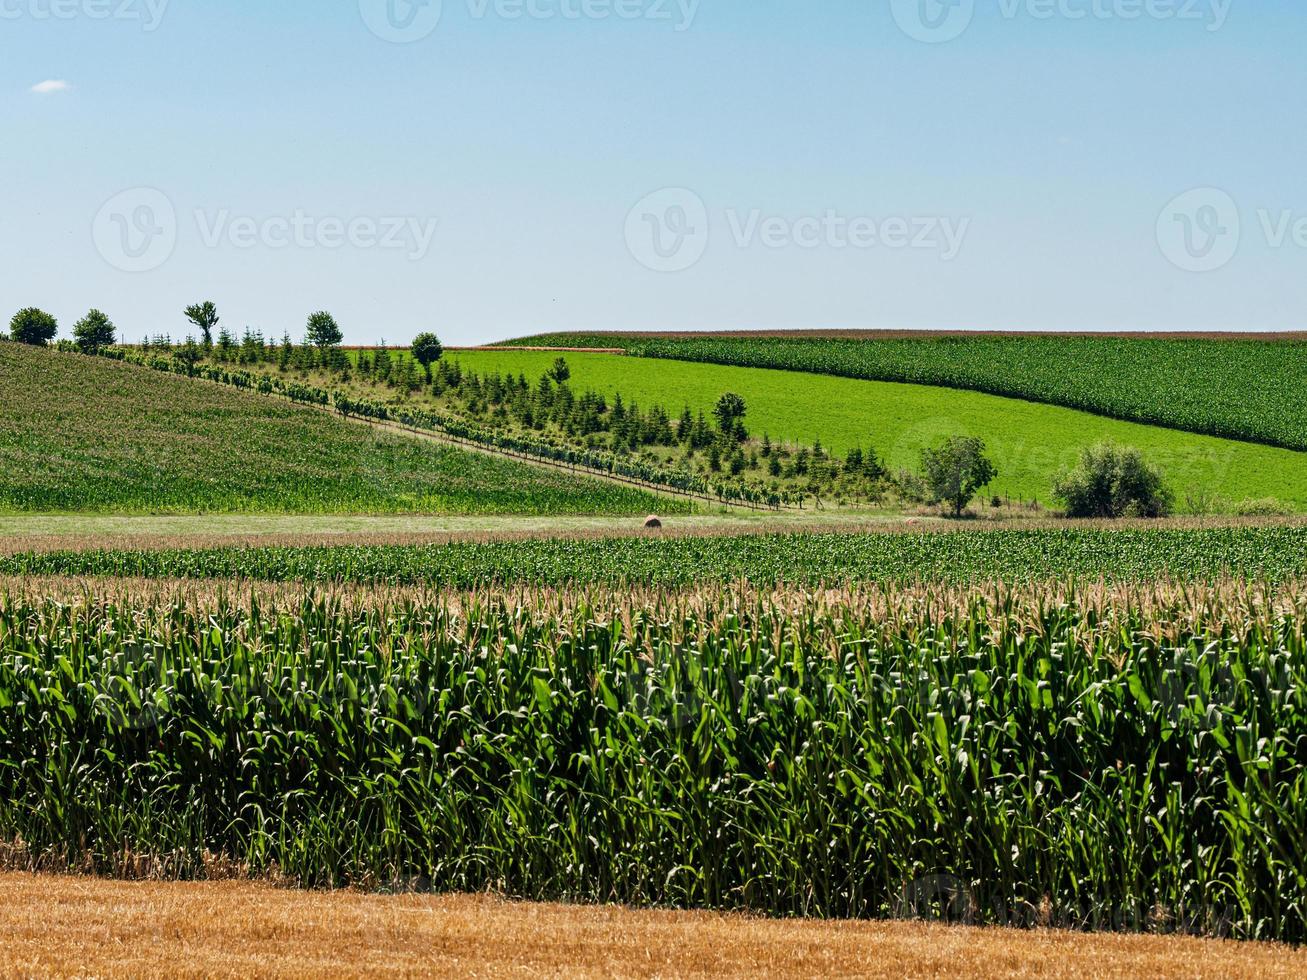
(1009, 756)
(1192, 553)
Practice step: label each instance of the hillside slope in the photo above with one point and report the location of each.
(1030, 442)
(1235, 388)
(86, 434)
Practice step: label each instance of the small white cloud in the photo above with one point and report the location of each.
(51, 86)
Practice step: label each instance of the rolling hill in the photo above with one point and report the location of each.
(1029, 441)
(92, 435)
(1247, 388)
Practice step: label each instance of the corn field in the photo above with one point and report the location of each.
(1092, 758)
(1126, 553)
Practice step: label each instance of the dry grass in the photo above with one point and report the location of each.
(66, 926)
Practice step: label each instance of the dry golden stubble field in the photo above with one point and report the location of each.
(71, 926)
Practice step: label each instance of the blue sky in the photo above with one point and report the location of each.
(515, 166)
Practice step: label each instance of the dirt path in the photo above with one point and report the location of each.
(65, 926)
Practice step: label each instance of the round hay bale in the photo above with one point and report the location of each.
(653, 523)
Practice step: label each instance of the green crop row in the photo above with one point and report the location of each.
(1249, 390)
(1006, 760)
(1197, 554)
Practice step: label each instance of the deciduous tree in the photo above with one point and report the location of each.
(205, 317)
(427, 350)
(94, 332)
(956, 471)
(33, 326)
(323, 331)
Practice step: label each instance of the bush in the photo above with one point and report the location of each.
(33, 326)
(1266, 507)
(1203, 501)
(1113, 481)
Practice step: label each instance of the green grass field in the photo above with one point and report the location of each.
(1030, 442)
(1247, 389)
(81, 434)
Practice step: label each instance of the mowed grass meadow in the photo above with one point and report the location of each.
(85, 434)
(1029, 442)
